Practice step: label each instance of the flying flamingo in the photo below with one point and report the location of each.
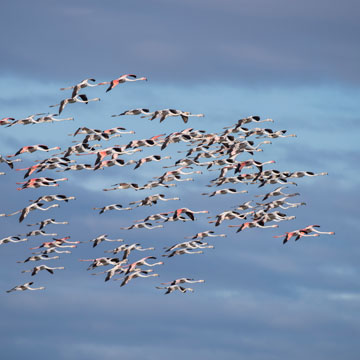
(181, 252)
(49, 198)
(111, 207)
(103, 261)
(38, 232)
(160, 216)
(82, 84)
(38, 182)
(140, 273)
(296, 233)
(109, 163)
(277, 192)
(51, 118)
(311, 228)
(195, 244)
(35, 206)
(36, 269)
(188, 212)
(9, 162)
(25, 286)
(47, 222)
(141, 262)
(37, 258)
(163, 114)
(142, 225)
(12, 239)
(6, 121)
(121, 80)
(127, 249)
(182, 281)
(150, 158)
(81, 98)
(153, 199)
(208, 233)
(144, 142)
(102, 238)
(33, 148)
(252, 224)
(171, 288)
(134, 112)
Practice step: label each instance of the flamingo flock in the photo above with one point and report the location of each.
(221, 151)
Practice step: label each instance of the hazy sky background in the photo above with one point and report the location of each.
(294, 62)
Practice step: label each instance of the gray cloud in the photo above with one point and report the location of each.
(232, 41)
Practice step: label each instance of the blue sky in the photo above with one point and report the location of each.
(293, 62)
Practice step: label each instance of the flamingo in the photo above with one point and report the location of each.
(208, 233)
(36, 269)
(81, 98)
(102, 238)
(9, 162)
(12, 239)
(58, 197)
(311, 228)
(81, 85)
(225, 191)
(51, 118)
(150, 158)
(80, 148)
(118, 130)
(77, 167)
(143, 261)
(181, 252)
(163, 114)
(33, 148)
(127, 249)
(195, 244)
(280, 203)
(37, 182)
(41, 167)
(35, 206)
(272, 134)
(102, 262)
(52, 244)
(296, 233)
(171, 288)
(140, 273)
(144, 142)
(153, 199)
(277, 192)
(25, 286)
(47, 222)
(169, 174)
(160, 216)
(274, 216)
(6, 121)
(112, 207)
(37, 258)
(64, 240)
(252, 224)
(182, 281)
(228, 215)
(154, 184)
(109, 163)
(300, 174)
(134, 112)
(142, 225)
(124, 186)
(38, 232)
(248, 120)
(121, 80)
(188, 212)
(52, 250)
